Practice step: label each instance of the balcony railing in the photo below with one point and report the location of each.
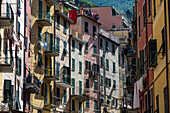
(64, 81)
(6, 15)
(51, 76)
(32, 84)
(44, 18)
(52, 49)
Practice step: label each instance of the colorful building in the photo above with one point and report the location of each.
(108, 52)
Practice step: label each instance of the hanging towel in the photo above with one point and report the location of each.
(136, 95)
(140, 82)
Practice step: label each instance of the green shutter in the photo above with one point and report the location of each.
(95, 104)
(40, 9)
(65, 96)
(107, 64)
(101, 80)
(94, 49)
(7, 89)
(57, 68)
(114, 69)
(48, 13)
(7, 9)
(86, 64)
(80, 87)
(87, 83)
(153, 53)
(26, 39)
(73, 64)
(80, 67)
(26, 18)
(51, 42)
(80, 48)
(50, 94)
(73, 84)
(45, 93)
(73, 44)
(87, 104)
(86, 46)
(95, 86)
(58, 45)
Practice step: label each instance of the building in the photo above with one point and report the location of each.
(159, 55)
(43, 52)
(12, 52)
(109, 72)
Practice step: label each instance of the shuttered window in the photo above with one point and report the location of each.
(73, 84)
(153, 53)
(80, 48)
(58, 45)
(73, 105)
(86, 27)
(40, 9)
(80, 87)
(87, 83)
(95, 86)
(95, 104)
(86, 64)
(114, 68)
(87, 104)
(65, 27)
(58, 22)
(94, 49)
(57, 68)
(107, 64)
(73, 44)
(101, 80)
(7, 90)
(86, 46)
(48, 13)
(101, 61)
(65, 96)
(73, 64)
(80, 67)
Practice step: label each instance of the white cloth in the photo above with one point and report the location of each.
(136, 95)
(140, 83)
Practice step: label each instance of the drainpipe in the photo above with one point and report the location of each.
(166, 53)
(24, 99)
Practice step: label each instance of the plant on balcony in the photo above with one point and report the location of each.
(65, 10)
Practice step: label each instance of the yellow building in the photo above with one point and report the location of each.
(43, 52)
(160, 95)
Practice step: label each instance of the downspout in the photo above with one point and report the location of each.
(69, 41)
(24, 99)
(166, 53)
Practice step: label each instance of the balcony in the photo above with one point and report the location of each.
(52, 2)
(50, 77)
(64, 81)
(44, 18)
(6, 66)
(6, 15)
(32, 84)
(50, 105)
(51, 50)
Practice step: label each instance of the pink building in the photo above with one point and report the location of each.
(87, 25)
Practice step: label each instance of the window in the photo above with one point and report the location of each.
(107, 48)
(114, 84)
(65, 96)
(107, 64)
(73, 64)
(113, 49)
(18, 30)
(80, 67)
(154, 7)
(165, 100)
(87, 83)
(73, 105)
(94, 31)
(50, 94)
(94, 49)
(65, 27)
(80, 107)
(30, 3)
(45, 93)
(114, 102)
(149, 7)
(19, 3)
(86, 27)
(144, 15)
(26, 18)
(146, 103)
(18, 66)
(101, 42)
(95, 104)
(58, 45)
(86, 64)
(58, 22)
(57, 68)
(48, 13)
(124, 78)
(73, 45)
(65, 45)
(86, 46)
(7, 90)
(139, 26)
(26, 38)
(101, 80)
(113, 12)
(80, 48)
(58, 93)
(40, 9)
(141, 105)
(40, 63)
(109, 82)
(39, 34)
(108, 100)
(80, 87)
(30, 25)
(157, 103)
(101, 61)
(124, 92)
(95, 86)
(94, 67)
(163, 41)
(73, 84)
(114, 67)
(87, 104)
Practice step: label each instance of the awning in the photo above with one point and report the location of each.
(71, 5)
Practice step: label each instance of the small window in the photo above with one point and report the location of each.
(86, 29)
(73, 45)
(101, 61)
(94, 49)
(87, 104)
(95, 86)
(73, 64)
(101, 42)
(94, 31)
(80, 67)
(114, 68)
(87, 83)
(80, 48)
(73, 105)
(58, 22)
(107, 64)
(107, 48)
(86, 46)
(65, 27)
